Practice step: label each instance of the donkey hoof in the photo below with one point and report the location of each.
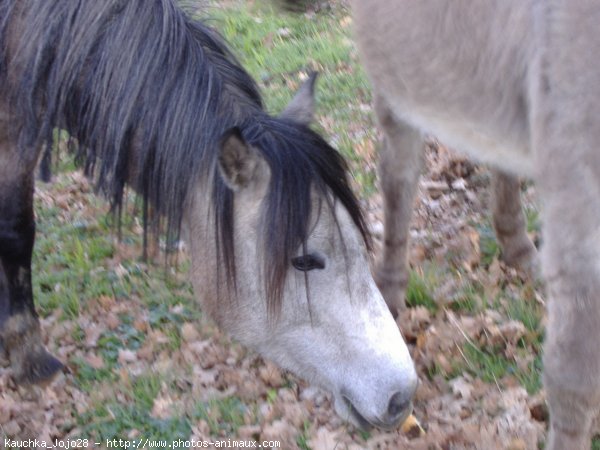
(39, 368)
(524, 261)
(393, 292)
(394, 299)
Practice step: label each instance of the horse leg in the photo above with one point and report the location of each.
(45, 171)
(510, 224)
(400, 160)
(20, 329)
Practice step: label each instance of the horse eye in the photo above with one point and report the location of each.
(308, 262)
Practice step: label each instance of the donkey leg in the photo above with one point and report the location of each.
(510, 224)
(20, 330)
(400, 160)
(565, 135)
(570, 258)
(571, 351)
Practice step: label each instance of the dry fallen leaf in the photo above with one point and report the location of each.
(324, 440)
(95, 361)
(412, 428)
(162, 407)
(189, 332)
(461, 387)
(270, 374)
(127, 356)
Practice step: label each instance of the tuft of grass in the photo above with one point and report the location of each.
(418, 293)
(469, 299)
(530, 313)
(224, 416)
(490, 365)
(78, 334)
(303, 437)
(129, 411)
(109, 345)
(87, 377)
(365, 435)
(534, 223)
(485, 364)
(488, 245)
(115, 420)
(531, 379)
(146, 389)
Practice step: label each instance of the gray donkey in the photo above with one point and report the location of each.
(516, 84)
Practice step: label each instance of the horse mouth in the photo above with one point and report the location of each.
(361, 422)
(366, 424)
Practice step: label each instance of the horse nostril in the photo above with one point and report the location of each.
(399, 403)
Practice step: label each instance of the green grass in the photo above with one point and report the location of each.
(530, 314)
(303, 438)
(491, 366)
(488, 245)
(128, 412)
(224, 416)
(88, 378)
(531, 379)
(469, 299)
(488, 365)
(280, 49)
(418, 293)
(116, 420)
(275, 47)
(532, 216)
(76, 261)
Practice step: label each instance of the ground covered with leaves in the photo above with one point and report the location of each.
(144, 363)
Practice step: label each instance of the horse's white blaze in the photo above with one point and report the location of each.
(382, 357)
(353, 347)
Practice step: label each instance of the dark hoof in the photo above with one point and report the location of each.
(393, 290)
(4, 356)
(523, 258)
(39, 368)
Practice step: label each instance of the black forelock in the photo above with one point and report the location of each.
(300, 161)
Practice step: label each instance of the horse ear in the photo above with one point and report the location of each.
(302, 107)
(237, 161)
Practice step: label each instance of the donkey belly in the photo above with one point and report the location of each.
(457, 69)
(505, 148)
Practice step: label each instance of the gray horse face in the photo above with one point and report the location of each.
(334, 328)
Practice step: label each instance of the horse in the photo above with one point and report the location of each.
(279, 247)
(515, 85)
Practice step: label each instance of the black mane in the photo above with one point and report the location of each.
(140, 74)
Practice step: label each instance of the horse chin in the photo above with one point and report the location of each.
(346, 409)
